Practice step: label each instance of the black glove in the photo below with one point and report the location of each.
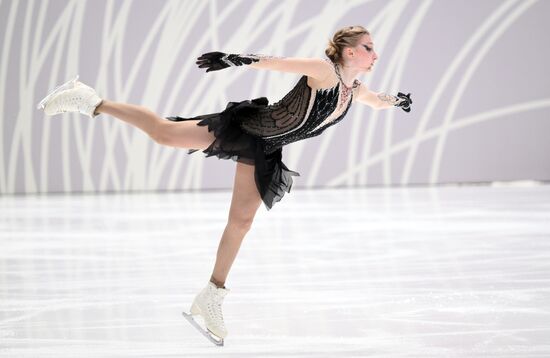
(215, 61)
(405, 103)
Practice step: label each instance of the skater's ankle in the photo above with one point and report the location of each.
(218, 284)
(99, 107)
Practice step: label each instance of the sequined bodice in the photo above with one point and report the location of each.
(301, 113)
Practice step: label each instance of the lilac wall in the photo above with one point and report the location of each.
(478, 78)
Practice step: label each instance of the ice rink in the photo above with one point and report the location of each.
(376, 272)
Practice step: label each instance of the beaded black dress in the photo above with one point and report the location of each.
(254, 131)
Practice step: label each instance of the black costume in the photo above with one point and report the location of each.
(254, 132)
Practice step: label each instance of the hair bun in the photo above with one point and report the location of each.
(347, 36)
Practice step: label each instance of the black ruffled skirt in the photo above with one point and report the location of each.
(271, 175)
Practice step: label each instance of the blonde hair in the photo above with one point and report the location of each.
(348, 36)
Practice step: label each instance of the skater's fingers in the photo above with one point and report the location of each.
(212, 55)
(205, 55)
(204, 58)
(207, 67)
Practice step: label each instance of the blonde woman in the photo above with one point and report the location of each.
(252, 133)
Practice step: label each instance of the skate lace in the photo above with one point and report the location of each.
(215, 310)
(74, 99)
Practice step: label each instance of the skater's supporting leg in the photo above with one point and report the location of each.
(184, 134)
(245, 202)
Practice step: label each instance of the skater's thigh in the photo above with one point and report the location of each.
(246, 199)
(185, 134)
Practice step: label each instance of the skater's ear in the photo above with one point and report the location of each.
(317, 68)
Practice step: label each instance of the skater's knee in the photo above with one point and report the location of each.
(160, 133)
(240, 223)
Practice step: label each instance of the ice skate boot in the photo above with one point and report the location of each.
(72, 96)
(208, 305)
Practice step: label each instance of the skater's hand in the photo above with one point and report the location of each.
(404, 102)
(212, 61)
(215, 61)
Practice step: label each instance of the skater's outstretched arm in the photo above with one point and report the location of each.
(382, 100)
(312, 67)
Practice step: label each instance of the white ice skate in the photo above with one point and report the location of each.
(208, 305)
(72, 96)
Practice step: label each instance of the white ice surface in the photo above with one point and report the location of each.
(379, 272)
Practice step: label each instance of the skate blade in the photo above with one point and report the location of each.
(211, 336)
(64, 86)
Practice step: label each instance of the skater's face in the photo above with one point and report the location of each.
(361, 56)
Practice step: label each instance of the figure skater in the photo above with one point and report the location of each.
(252, 133)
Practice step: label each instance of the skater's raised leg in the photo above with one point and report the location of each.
(185, 134)
(136, 115)
(75, 96)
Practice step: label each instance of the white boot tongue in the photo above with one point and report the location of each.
(221, 292)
